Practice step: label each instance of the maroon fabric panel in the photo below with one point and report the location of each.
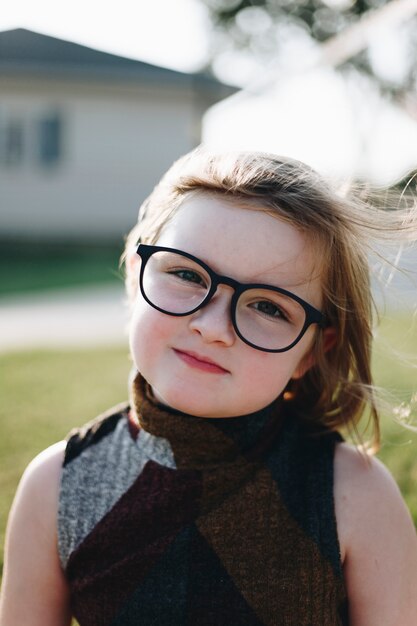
(127, 542)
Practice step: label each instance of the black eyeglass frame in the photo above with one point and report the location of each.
(312, 315)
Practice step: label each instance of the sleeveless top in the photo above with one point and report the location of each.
(167, 519)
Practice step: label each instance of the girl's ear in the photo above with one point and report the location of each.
(329, 337)
(132, 265)
(132, 261)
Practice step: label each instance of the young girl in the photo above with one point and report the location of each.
(223, 494)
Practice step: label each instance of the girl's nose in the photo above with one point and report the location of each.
(213, 321)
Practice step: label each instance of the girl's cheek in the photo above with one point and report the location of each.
(139, 332)
(142, 315)
(149, 332)
(134, 344)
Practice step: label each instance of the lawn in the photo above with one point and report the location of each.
(43, 394)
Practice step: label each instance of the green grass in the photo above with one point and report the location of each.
(44, 394)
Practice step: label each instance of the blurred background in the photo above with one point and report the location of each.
(98, 99)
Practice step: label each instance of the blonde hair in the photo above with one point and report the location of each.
(336, 391)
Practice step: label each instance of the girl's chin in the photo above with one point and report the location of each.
(197, 409)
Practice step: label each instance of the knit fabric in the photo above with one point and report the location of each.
(167, 519)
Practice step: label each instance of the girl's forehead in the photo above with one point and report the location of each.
(248, 244)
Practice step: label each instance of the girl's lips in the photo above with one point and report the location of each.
(200, 362)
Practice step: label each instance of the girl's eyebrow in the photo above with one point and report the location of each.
(278, 276)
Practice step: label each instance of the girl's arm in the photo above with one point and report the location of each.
(378, 543)
(34, 591)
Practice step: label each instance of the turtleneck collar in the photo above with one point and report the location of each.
(202, 442)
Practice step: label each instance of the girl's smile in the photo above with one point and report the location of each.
(196, 363)
(200, 362)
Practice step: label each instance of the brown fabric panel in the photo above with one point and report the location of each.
(277, 568)
(208, 444)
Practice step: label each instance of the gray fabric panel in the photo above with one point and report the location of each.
(92, 483)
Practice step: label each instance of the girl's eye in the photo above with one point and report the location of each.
(189, 276)
(269, 309)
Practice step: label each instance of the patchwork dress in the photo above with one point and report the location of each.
(167, 519)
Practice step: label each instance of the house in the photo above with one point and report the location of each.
(85, 135)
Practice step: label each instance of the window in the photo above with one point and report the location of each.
(50, 139)
(29, 138)
(11, 142)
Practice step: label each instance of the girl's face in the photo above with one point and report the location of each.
(172, 352)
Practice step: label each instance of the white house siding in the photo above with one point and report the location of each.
(117, 141)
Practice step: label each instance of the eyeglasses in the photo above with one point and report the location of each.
(265, 317)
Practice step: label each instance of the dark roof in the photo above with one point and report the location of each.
(24, 51)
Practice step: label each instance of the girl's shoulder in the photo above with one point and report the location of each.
(43, 474)
(38, 490)
(377, 540)
(32, 567)
(46, 468)
(362, 487)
